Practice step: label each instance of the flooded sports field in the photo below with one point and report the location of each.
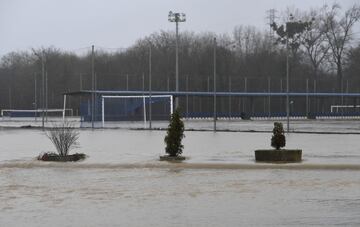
(122, 183)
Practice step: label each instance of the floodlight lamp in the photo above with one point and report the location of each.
(183, 17)
(291, 17)
(171, 17)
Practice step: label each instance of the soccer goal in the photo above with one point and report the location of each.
(136, 108)
(35, 113)
(339, 108)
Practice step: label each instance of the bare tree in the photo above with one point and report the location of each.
(64, 138)
(353, 67)
(339, 35)
(314, 40)
(247, 40)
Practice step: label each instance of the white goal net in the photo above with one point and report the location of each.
(35, 113)
(344, 108)
(136, 108)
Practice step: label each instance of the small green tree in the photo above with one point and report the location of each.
(175, 133)
(278, 137)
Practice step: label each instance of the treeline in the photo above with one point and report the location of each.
(326, 59)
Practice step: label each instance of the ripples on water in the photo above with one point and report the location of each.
(122, 183)
(177, 197)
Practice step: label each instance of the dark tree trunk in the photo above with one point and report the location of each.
(339, 74)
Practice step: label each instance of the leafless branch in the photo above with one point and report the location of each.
(64, 138)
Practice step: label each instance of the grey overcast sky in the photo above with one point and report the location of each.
(73, 24)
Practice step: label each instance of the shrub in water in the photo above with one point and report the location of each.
(64, 138)
(278, 137)
(175, 133)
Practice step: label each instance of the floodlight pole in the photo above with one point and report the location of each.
(150, 90)
(144, 99)
(177, 17)
(35, 96)
(43, 90)
(46, 96)
(287, 88)
(42, 58)
(93, 87)
(177, 63)
(215, 85)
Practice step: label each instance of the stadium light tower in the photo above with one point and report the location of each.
(177, 17)
(41, 57)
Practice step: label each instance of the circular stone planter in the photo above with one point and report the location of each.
(172, 158)
(283, 155)
(57, 158)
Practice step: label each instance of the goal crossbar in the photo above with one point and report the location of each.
(144, 97)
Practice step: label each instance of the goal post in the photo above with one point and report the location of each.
(144, 100)
(336, 108)
(34, 113)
